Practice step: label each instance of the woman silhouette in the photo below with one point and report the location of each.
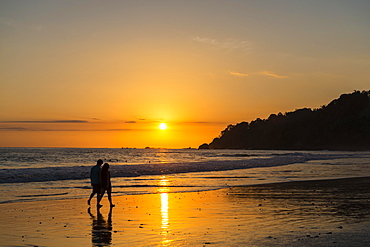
(105, 183)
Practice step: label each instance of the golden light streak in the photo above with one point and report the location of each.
(165, 219)
(164, 212)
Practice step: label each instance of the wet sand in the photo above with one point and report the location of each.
(313, 213)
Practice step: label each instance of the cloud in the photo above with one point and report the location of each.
(13, 129)
(229, 44)
(83, 126)
(60, 125)
(268, 73)
(238, 74)
(58, 130)
(47, 121)
(202, 123)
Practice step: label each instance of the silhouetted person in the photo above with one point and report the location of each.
(106, 183)
(95, 182)
(101, 234)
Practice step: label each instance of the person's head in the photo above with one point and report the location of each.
(105, 167)
(99, 162)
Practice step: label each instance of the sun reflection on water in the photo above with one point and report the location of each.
(164, 212)
(165, 222)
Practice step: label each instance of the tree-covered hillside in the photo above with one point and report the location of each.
(343, 124)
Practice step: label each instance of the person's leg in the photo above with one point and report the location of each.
(97, 191)
(100, 196)
(91, 197)
(109, 192)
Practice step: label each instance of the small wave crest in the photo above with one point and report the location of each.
(43, 195)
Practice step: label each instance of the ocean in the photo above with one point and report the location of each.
(30, 174)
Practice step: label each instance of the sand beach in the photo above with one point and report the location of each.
(310, 213)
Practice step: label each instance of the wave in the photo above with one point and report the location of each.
(24, 175)
(154, 186)
(42, 195)
(238, 155)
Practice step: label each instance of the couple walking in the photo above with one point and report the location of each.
(100, 181)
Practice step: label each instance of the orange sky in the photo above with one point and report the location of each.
(106, 73)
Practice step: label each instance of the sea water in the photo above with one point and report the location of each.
(29, 174)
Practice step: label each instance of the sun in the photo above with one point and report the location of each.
(163, 126)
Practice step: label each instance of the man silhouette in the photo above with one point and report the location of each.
(95, 182)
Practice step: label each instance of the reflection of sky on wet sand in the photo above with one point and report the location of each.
(295, 214)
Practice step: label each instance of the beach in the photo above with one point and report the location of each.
(306, 213)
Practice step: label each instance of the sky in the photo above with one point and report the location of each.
(107, 73)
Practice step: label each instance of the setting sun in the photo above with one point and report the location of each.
(163, 126)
